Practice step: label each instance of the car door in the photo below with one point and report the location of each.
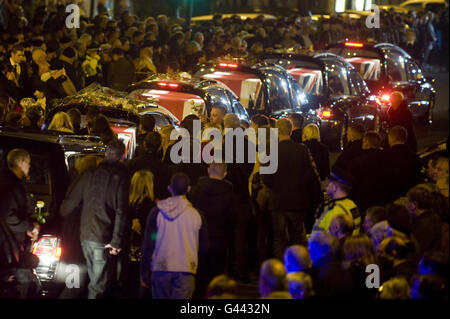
(364, 110)
(419, 95)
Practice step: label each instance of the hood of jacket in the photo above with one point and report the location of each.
(172, 207)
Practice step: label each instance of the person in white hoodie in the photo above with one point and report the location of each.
(175, 234)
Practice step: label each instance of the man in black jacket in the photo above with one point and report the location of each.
(103, 195)
(15, 209)
(120, 71)
(15, 212)
(294, 189)
(400, 114)
(371, 173)
(213, 196)
(146, 125)
(353, 148)
(405, 163)
(426, 223)
(238, 174)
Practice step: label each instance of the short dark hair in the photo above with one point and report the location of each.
(399, 134)
(16, 48)
(69, 52)
(16, 155)
(260, 120)
(152, 141)
(116, 148)
(399, 218)
(117, 51)
(377, 213)
(297, 119)
(179, 183)
(373, 139)
(220, 106)
(358, 129)
(148, 122)
(421, 196)
(75, 115)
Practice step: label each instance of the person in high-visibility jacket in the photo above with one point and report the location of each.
(338, 189)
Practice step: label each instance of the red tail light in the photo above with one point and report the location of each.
(228, 65)
(354, 44)
(48, 247)
(325, 113)
(172, 85)
(385, 98)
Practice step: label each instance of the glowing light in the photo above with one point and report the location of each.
(354, 44)
(385, 98)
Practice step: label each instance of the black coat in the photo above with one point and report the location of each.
(120, 74)
(15, 209)
(160, 171)
(214, 198)
(351, 151)
(296, 135)
(321, 157)
(295, 186)
(103, 193)
(403, 116)
(372, 179)
(405, 165)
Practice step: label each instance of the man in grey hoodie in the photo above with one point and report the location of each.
(174, 235)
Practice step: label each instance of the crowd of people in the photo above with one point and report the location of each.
(43, 59)
(197, 230)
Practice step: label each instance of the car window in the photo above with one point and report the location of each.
(39, 179)
(160, 120)
(413, 71)
(278, 90)
(395, 68)
(357, 84)
(219, 95)
(298, 95)
(338, 80)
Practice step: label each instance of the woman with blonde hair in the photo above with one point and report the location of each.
(141, 200)
(61, 122)
(318, 150)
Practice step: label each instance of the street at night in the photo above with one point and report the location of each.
(248, 150)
